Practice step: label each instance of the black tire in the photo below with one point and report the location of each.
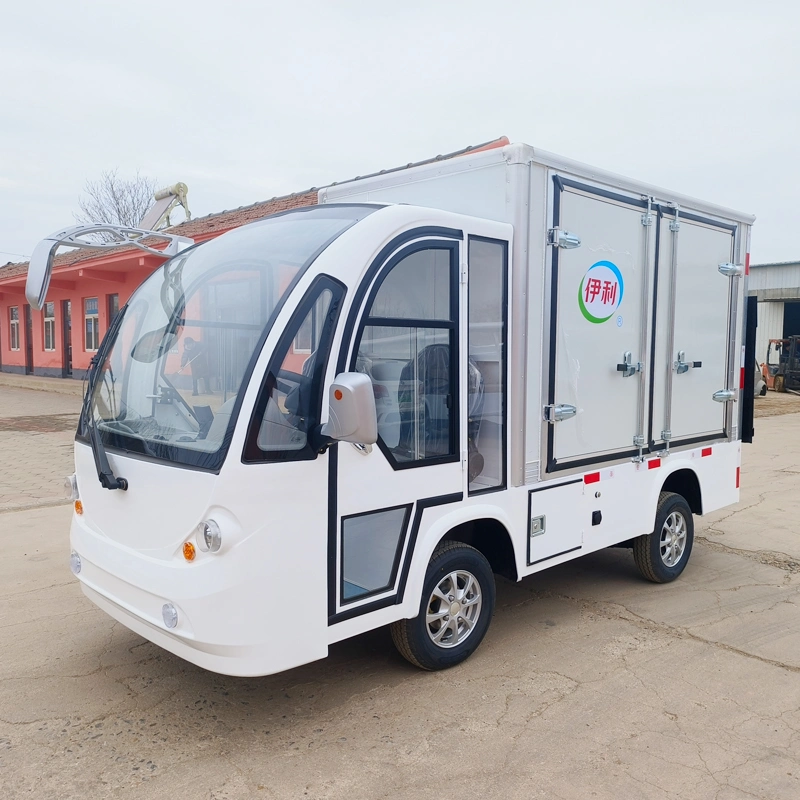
(414, 638)
(763, 391)
(663, 554)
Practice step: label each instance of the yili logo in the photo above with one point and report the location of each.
(600, 291)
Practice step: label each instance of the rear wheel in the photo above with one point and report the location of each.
(455, 611)
(663, 554)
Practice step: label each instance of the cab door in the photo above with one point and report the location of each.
(406, 319)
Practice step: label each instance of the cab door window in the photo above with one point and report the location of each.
(288, 408)
(408, 347)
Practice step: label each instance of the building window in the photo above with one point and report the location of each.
(91, 324)
(302, 342)
(13, 314)
(113, 307)
(49, 326)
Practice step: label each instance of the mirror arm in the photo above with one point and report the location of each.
(319, 441)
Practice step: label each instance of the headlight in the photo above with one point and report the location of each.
(71, 487)
(169, 614)
(209, 536)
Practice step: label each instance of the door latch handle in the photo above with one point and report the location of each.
(627, 367)
(682, 365)
(555, 414)
(725, 396)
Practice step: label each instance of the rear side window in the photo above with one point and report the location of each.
(289, 404)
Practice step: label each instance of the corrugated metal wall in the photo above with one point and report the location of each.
(775, 282)
(770, 326)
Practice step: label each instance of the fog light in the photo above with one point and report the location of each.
(75, 563)
(170, 615)
(209, 536)
(71, 487)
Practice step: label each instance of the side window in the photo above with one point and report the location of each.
(290, 401)
(407, 346)
(486, 342)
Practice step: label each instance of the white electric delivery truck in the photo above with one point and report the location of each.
(490, 364)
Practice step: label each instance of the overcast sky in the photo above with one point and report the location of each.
(247, 100)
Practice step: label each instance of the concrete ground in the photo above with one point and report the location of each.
(591, 682)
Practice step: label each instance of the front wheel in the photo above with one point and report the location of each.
(663, 554)
(455, 611)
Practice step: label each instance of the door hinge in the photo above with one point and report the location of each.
(647, 217)
(558, 238)
(638, 440)
(731, 270)
(553, 414)
(675, 225)
(725, 396)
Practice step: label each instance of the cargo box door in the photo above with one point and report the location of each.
(696, 365)
(597, 340)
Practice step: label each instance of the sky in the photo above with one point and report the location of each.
(243, 101)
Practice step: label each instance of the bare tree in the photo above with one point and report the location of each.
(115, 200)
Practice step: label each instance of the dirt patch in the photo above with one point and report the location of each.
(774, 404)
(48, 423)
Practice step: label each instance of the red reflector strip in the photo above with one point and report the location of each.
(738, 469)
(592, 477)
(654, 463)
(741, 378)
(705, 452)
(747, 264)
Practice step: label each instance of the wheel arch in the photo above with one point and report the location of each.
(486, 528)
(684, 481)
(491, 538)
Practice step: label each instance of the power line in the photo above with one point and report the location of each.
(7, 253)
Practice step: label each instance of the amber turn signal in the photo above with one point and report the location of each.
(78, 507)
(337, 393)
(188, 551)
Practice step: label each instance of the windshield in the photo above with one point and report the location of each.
(174, 364)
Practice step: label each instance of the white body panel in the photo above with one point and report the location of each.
(286, 583)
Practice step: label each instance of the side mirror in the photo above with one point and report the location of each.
(39, 270)
(351, 410)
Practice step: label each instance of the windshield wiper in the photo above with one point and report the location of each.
(106, 475)
(104, 472)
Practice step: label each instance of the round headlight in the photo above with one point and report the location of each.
(209, 536)
(170, 615)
